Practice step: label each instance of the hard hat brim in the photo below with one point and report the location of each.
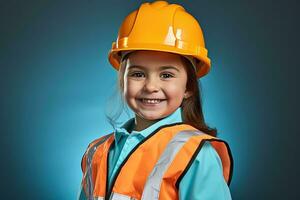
(203, 63)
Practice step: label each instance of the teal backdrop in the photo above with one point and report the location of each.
(56, 84)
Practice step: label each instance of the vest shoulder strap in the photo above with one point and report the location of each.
(93, 144)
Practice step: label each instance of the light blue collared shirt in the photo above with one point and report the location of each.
(204, 180)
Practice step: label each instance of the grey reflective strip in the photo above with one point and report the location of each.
(98, 198)
(116, 196)
(153, 183)
(88, 177)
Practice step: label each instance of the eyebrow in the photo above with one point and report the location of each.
(161, 67)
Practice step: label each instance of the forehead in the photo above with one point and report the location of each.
(154, 59)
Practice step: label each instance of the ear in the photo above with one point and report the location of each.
(187, 94)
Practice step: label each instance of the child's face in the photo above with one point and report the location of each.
(154, 83)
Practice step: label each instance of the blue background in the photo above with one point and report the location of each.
(56, 83)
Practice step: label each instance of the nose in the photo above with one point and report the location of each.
(151, 85)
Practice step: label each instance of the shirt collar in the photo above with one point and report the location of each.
(127, 127)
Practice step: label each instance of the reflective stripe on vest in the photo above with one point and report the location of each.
(98, 198)
(88, 184)
(116, 196)
(152, 186)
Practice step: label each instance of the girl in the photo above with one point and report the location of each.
(166, 151)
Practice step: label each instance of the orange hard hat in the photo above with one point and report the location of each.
(160, 26)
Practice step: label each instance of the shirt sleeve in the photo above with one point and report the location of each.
(204, 179)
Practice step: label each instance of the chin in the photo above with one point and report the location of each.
(153, 117)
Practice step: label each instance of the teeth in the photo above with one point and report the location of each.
(153, 101)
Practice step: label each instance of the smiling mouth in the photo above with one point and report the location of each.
(151, 101)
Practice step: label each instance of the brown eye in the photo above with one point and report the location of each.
(167, 75)
(137, 74)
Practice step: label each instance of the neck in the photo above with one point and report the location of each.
(141, 124)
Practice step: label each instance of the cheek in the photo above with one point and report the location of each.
(176, 90)
(131, 88)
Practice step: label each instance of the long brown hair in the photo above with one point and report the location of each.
(192, 106)
(192, 113)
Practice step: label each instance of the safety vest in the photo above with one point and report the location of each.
(154, 167)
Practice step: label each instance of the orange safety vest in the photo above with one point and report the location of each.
(154, 167)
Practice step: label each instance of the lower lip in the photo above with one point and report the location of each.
(150, 104)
